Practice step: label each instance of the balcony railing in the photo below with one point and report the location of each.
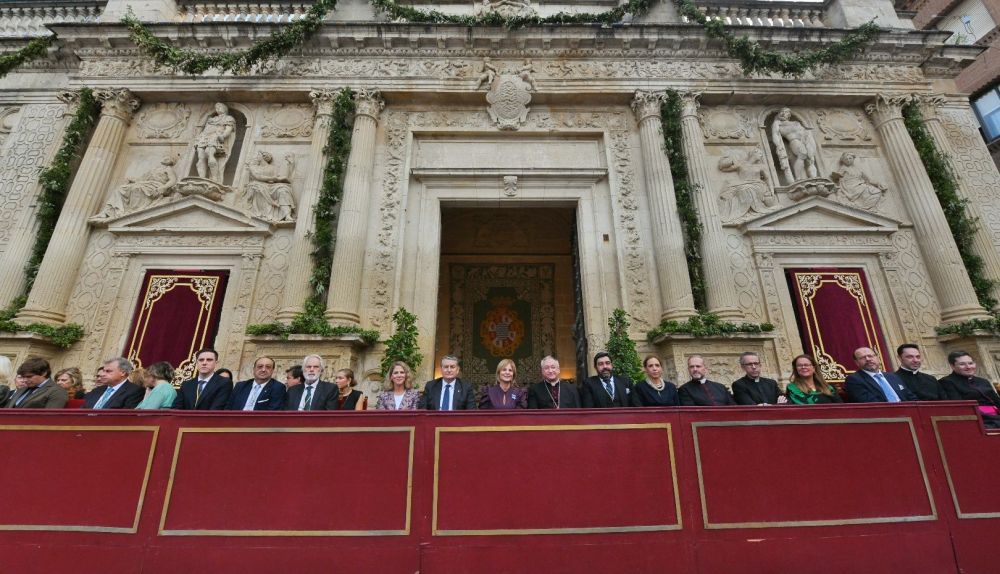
(22, 19)
(263, 12)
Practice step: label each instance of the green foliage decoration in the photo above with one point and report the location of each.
(402, 345)
(398, 12)
(192, 62)
(969, 328)
(62, 337)
(621, 347)
(32, 51)
(706, 325)
(311, 321)
(670, 117)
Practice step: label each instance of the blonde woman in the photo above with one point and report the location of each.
(346, 399)
(398, 393)
(505, 393)
(71, 379)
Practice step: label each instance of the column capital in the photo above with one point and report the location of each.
(72, 100)
(369, 102)
(887, 107)
(646, 104)
(929, 104)
(690, 104)
(119, 103)
(323, 101)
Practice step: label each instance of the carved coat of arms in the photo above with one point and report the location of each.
(509, 94)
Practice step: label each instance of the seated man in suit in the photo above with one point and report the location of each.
(39, 391)
(313, 393)
(261, 393)
(448, 393)
(207, 391)
(701, 392)
(114, 390)
(552, 392)
(606, 389)
(870, 385)
(752, 389)
(962, 384)
(926, 387)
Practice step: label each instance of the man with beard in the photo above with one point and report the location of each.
(606, 390)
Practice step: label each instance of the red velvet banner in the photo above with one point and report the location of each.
(835, 315)
(177, 313)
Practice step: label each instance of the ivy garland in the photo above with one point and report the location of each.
(707, 325)
(33, 50)
(238, 62)
(621, 347)
(311, 321)
(55, 182)
(409, 14)
(963, 227)
(402, 345)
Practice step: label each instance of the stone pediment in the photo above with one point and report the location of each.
(819, 215)
(192, 214)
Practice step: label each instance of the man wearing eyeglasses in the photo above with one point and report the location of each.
(752, 389)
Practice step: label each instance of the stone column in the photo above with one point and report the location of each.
(944, 265)
(297, 287)
(57, 274)
(720, 291)
(668, 238)
(982, 242)
(344, 299)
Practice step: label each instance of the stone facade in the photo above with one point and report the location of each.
(813, 171)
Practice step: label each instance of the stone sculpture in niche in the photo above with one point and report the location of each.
(855, 184)
(752, 193)
(796, 153)
(136, 194)
(509, 94)
(214, 144)
(268, 195)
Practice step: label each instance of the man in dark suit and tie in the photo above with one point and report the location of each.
(261, 393)
(751, 388)
(701, 392)
(448, 393)
(314, 392)
(606, 390)
(39, 391)
(926, 387)
(114, 390)
(552, 392)
(207, 391)
(870, 385)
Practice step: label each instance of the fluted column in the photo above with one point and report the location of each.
(668, 237)
(982, 242)
(297, 287)
(720, 291)
(57, 274)
(944, 264)
(344, 299)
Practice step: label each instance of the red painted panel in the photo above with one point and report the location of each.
(973, 461)
(764, 473)
(73, 478)
(561, 478)
(289, 481)
(42, 558)
(286, 556)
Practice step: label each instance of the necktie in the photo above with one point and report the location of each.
(609, 389)
(446, 398)
(201, 389)
(24, 396)
(887, 390)
(254, 393)
(307, 405)
(104, 398)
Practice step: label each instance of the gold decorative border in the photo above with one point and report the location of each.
(828, 522)
(79, 528)
(435, 531)
(173, 469)
(947, 469)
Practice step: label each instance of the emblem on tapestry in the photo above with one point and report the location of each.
(509, 93)
(502, 330)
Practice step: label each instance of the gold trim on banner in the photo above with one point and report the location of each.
(570, 530)
(828, 522)
(253, 533)
(947, 470)
(79, 528)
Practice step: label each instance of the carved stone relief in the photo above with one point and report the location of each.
(8, 117)
(843, 125)
(722, 123)
(287, 121)
(162, 121)
(272, 277)
(975, 166)
(745, 277)
(268, 193)
(150, 188)
(91, 305)
(855, 186)
(796, 155)
(506, 9)
(509, 93)
(751, 194)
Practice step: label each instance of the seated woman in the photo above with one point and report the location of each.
(160, 393)
(807, 386)
(71, 379)
(506, 393)
(225, 374)
(654, 392)
(398, 393)
(346, 399)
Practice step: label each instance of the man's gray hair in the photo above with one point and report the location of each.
(322, 363)
(549, 358)
(746, 354)
(449, 358)
(124, 365)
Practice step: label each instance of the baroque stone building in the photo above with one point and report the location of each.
(509, 187)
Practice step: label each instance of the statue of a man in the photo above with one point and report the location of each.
(138, 193)
(795, 147)
(269, 193)
(214, 144)
(855, 183)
